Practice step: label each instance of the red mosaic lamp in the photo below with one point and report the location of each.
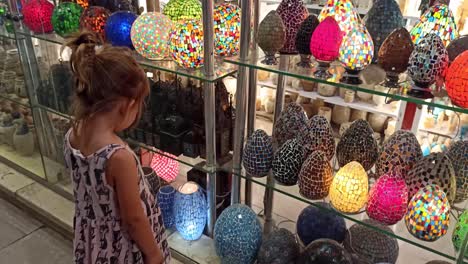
(456, 81)
(38, 15)
(165, 166)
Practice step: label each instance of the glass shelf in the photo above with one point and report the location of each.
(256, 56)
(6, 35)
(15, 99)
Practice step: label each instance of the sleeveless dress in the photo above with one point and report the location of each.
(99, 235)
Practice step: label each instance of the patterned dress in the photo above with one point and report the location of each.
(99, 235)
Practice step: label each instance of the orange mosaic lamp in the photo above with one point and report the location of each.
(456, 81)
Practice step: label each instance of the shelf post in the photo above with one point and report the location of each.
(210, 112)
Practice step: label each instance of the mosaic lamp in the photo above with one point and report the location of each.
(343, 12)
(325, 251)
(460, 232)
(356, 53)
(178, 10)
(303, 37)
(37, 16)
(166, 197)
(94, 18)
(227, 29)
(457, 155)
(317, 135)
(190, 211)
(186, 44)
(287, 162)
(437, 20)
(290, 123)
(119, 27)
(293, 13)
(271, 37)
(316, 176)
(388, 199)
(457, 47)
(150, 35)
(456, 83)
(315, 223)
(237, 235)
(428, 61)
(66, 18)
(166, 166)
(349, 188)
(83, 3)
(428, 214)
(325, 46)
(258, 154)
(279, 246)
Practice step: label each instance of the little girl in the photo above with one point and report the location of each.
(117, 219)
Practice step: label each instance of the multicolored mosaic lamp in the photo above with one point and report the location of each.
(460, 232)
(118, 28)
(303, 37)
(428, 214)
(258, 154)
(428, 61)
(190, 211)
(437, 20)
(150, 35)
(343, 12)
(83, 3)
(287, 162)
(186, 44)
(293, 13)
(271, 37)
(94, 19)
(325, 251)
(317, 135)
(349, 188)
(457, 47)
(66, 18)
(316, 176)
(325, 46)
(356, 53)
(37, 16)
(227, 29)
(457, 155)
(178, 10)
(456, 82)
(279, 246)
(290, 124)
(166, 166)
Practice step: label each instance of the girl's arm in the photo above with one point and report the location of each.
(122, 170)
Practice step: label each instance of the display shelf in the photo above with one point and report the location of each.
(438, 132)
(6, 35)
(15, 99)
(32, 164)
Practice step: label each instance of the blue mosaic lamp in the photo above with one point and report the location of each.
(166, 196)
(237, 235)
(190, 211)
(258, 154)
(119, 27)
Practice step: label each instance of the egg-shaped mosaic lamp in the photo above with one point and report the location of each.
(165, 166)
(358, 144)
(66, 18)
(388, 199)
(178, 10)
(318, 135)
(186, 44)
(457, 155)
(237, 235)
(349, 188)
(438, 20)
(343, 12)
(271, 36)
(293, 13)
(325, 251)
(291, 122)
(37, 16)
(166, 197)
(428, 61)
(118, 28)
(227, 21)
(150, 35)
(279, 246)
(428, 214)
(394, 55)
(303, 37)
(382, 19)
(94, 18)
(456, 83)
(436, 169)
(356, 53)
(258, 154)
(460, 232)
(325, 46)
(371, 244)
(190, 211)
(457, 47)
(287, 162)
(315, 223)
(316, 176)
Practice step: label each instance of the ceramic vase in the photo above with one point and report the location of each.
(341, 114)
(377, 121)
(23, 140)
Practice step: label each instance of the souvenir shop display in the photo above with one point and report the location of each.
(271, 36)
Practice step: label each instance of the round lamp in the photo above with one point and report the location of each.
(317, 135)
(437, 20)
(190, 211)
(166, 166)
(150, 35)
(166, 196)
(293, 13)
(290, 123)
(94, 18)
(358, 144)
(457, 155)
(456, 82)
(349, 188)
(428, 61)
(316, 223)
(460, 232)
(279, 246)
(325, 251)
(37, 16)
(325, 45)
(83, 3)
(118, 28)
(186, 44)
(271, 36)
(227, 29)
(303, 37)
(388, 199)
(237, 235)
(457, 47)
(370, 244)
(428, 214)
(66, 18)
(356, 53)
(315, 176)
(343, 12)
(287, 162)
(258, 154)
(394, 55)
(178, 10)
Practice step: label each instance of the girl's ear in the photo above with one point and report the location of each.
(126, 105)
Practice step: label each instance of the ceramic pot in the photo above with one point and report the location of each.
(263, 75)
(358, 114)
(316, 104)
(24, 144)
(341, 114)
(308, 108)
(308, 86)
(365, 96)
(270, 105)
(326, 89)
(349, 96)
(6, 134)
(378, 99)
(325, 112)
(377, 122)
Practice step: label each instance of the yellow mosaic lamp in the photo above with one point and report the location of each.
(349, 188)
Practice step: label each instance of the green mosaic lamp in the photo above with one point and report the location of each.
(66, 18)
(183, 9)
(460, 232)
